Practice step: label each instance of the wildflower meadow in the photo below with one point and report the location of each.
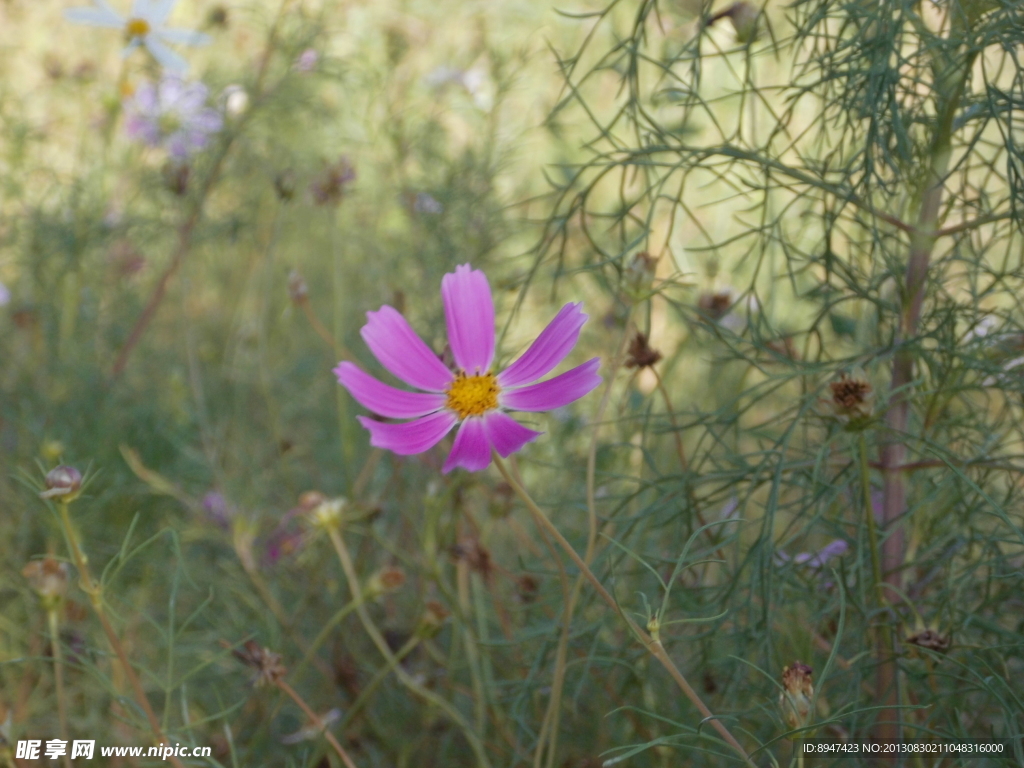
(555, 384)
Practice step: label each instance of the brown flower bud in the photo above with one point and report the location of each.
(298, 290)
(49, 579)
(433, 617)
(797, 695)
(310, 500)
(217, 17)
(385, 581)
(930, 639)
(63, 483)
(284, 185)
(527, 587)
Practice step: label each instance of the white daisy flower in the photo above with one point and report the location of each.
(144, 26)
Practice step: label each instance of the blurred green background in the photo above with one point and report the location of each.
(169, 328)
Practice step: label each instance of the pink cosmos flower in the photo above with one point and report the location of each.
(472, 394)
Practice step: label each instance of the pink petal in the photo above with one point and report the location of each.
(471, 450)
(506, 434)
(385, 400)
(556, 392)
(550, 348)
(402, 352)
(412, 436)
(469, 310)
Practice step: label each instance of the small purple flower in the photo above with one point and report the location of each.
(218, 509)
(471, 395)
(172, 114)
(307, 60)
(816, 560)
(5, 295)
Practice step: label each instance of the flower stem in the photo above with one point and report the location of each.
(869, 516)
(315, 719)
(653, 646)
(58, 676)
(884, 638)
(378, 678)
(378, 640)
(95, 593)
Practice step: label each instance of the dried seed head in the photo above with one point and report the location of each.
(63, 483)
(265, 662)
(640, 353)
(527, 588)
(176, 176)
(329, 187)
(298, 290)
(217, 17)
(385, 581)
(475, 555)
(284, 185)
(931, 640)
(433, 617)
(715, 304)
(49, 579)
(798, 692)
(851, 396)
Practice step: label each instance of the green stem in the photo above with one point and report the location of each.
(653, 646)
(378, 640)
(869, 517)
(58, 676)
(95, 593)
(378, 678)
(336, 619)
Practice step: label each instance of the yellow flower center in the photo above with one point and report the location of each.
(473, 395)
(136, 28)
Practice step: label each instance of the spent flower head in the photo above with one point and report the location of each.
(144, 26)
(851, 398)
(49, 579)
(172, 114)
(640, 353)
(384, 582)
(267, 664)
(797, 694)
(330, 186)
(472, 395)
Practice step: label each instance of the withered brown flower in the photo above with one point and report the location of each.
(640, 353)
(329, 188)
(797, 695)
(930, 639)
(265, 662)
(851, 396)
(715, 305)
